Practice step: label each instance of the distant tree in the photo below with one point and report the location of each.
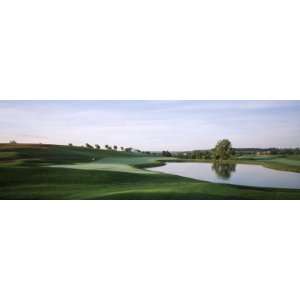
(89, 146)
(115, 147)
(70, 144)
(166, 153)
(122, 148)
(129, 149)
(97, 147)
(12, 142)
(223, 150)
(207, 155)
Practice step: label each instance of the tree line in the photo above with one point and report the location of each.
(108, 147)
(223, 150)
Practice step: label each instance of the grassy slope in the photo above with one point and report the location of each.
(278, 162)
(130, 164)
(53, 154)
(59, 183)
(22, 177)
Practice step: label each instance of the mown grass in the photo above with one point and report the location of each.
(129, 164)
(57, 154)
(289, 163)
(113, 167)
(26, 173)
(59, 183)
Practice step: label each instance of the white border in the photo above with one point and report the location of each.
(165, 50)
(149, 250)
(158, 50)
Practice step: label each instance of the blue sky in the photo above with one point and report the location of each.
(153, 125)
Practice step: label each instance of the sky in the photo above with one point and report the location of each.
(152, 125)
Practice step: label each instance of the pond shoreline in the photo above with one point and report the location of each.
(232, 173)
(269, 165)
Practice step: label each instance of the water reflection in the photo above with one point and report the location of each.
(246, 175)
(223, 170)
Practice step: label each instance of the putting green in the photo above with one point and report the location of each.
(104, 167)
(116, 164)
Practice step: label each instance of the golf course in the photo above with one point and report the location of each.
(44, 171)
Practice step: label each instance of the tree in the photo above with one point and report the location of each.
(166, 153)
(128, 149)
(12, 142)
(89, 146)
(115, 147)
(70, 145)
(122, 148)
(223, 150)
(207, 155)
(97, 147)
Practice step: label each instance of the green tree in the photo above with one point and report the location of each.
(97, 147)
(223, 150)
(89, 146)
(166, 153)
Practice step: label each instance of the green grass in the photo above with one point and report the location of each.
(56, 154)
(131, 164)
(59, 183)
(27, 172)
(113, 167)
(289, 163)
(7, 155)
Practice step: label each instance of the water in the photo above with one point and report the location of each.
(239, 174)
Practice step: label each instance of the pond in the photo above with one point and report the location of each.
(238, 174)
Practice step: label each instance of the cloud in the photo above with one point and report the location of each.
(157, 125)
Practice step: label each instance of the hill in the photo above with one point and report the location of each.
(33, 171)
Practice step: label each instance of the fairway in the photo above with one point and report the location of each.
(99, 166)
(291, 161)
(277, 162)
(119, 164)
(62, 172)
